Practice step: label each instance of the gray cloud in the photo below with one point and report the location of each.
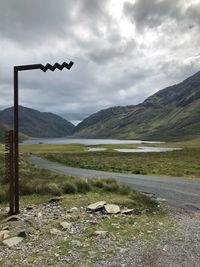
(122, 55)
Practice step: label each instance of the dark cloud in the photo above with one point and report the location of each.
(123, 51)
(145, 13)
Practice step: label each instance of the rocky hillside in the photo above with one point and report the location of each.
(170, 114)
(37, 124)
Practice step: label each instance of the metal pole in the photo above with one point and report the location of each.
(16, 141)
(16, 118)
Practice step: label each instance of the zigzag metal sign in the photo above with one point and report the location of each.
(46, 67)
(15, 195)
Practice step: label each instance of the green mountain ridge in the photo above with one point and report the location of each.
(172, 113)
(35, 123)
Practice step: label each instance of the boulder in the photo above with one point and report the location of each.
(96, 206)
(12, 241)
(111, 209)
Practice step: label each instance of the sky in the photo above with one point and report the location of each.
(123, 51)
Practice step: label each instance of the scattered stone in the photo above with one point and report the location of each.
(22, 234)
(6, 228)
(29, 208)
(148, 194)
(65, 225)
(13, 218)
(101, 233)
(73, 209)
(55, 231)
(127, 211)
(56, 199)
(111, 209)
(12, 241)
(4, 234)
(136, 211)
(76, 243)
(96, 206)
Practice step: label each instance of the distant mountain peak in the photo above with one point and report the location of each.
(36, 123)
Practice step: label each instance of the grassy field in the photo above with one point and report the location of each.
(181, 163)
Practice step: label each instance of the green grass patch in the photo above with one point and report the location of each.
(44, 148)
(180, 163)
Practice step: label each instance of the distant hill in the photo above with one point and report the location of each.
(37, 124)
(171, 114)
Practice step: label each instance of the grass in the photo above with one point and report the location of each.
(43, 148)
(180, 163)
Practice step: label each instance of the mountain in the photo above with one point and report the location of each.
(37, 124)
(171, 114)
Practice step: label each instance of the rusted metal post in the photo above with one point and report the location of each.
(16, 118)
(16, 140)
(9, 169)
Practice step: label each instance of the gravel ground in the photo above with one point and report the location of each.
(180, 250)
(183, 250)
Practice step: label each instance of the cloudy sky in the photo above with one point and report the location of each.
(123, 50)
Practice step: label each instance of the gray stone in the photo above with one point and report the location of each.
(101, 233)
(127, 211)
(96, 206)
(56, 199)
(12, 241)
(4, 234)
(55, 231)
(111, 209)
(66, 225)
(13, 218)
(76, 243)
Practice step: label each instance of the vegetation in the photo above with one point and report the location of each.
(171, 114)
(37, 124)
(182, 163)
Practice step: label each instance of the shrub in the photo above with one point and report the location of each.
(69, 188)
(3, 194)
(83, 186)
(111, 185)
(53, 189)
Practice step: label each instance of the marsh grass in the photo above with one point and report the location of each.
(180, 163)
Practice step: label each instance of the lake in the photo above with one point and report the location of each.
(84, 141)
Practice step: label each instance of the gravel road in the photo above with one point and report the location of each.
(177, 192)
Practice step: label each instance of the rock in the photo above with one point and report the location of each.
(6, 228)
(55, 231)
(13, 218)
(127, 211)
(4, 234)
(12, 241)
(73, 209)
(56, 199)
(136, 211)
(29, 208)
(22, 234)
(96, 206)
(76, 243)
(66, 225)
(111, 209)
(101, 233)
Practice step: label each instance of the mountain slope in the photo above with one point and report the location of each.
(170, 114)
(37, 124)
